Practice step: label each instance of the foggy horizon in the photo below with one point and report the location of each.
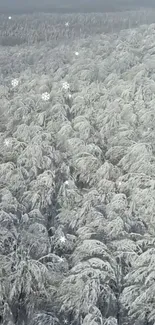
(72, 6)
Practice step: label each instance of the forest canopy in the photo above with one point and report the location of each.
(77, 169)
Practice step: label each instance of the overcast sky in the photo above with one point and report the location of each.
(90, 5)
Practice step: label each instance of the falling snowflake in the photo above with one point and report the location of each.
(62, 239)
(14, 83)
(65, 321)
(45, 96)
(65, 85)
(70, 96)
(67, 24)
(120, 183)
(9, 17)
(7, 142)
(61, 259)
(76, 53)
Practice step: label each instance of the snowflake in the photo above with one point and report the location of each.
(45, 96)
(76, 53)
(62, 239)
(61, 259)
(120, 183)
(14, 83)
(65, 85)
(65, 321)
(7, 142)
(9, 17)
(70, 96)
(67, 24)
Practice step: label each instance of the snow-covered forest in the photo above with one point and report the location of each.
(77, 169)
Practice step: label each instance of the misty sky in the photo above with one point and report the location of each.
(90, 5)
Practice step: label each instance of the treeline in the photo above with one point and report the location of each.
(31, 29)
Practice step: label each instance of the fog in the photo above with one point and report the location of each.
(22, 6)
